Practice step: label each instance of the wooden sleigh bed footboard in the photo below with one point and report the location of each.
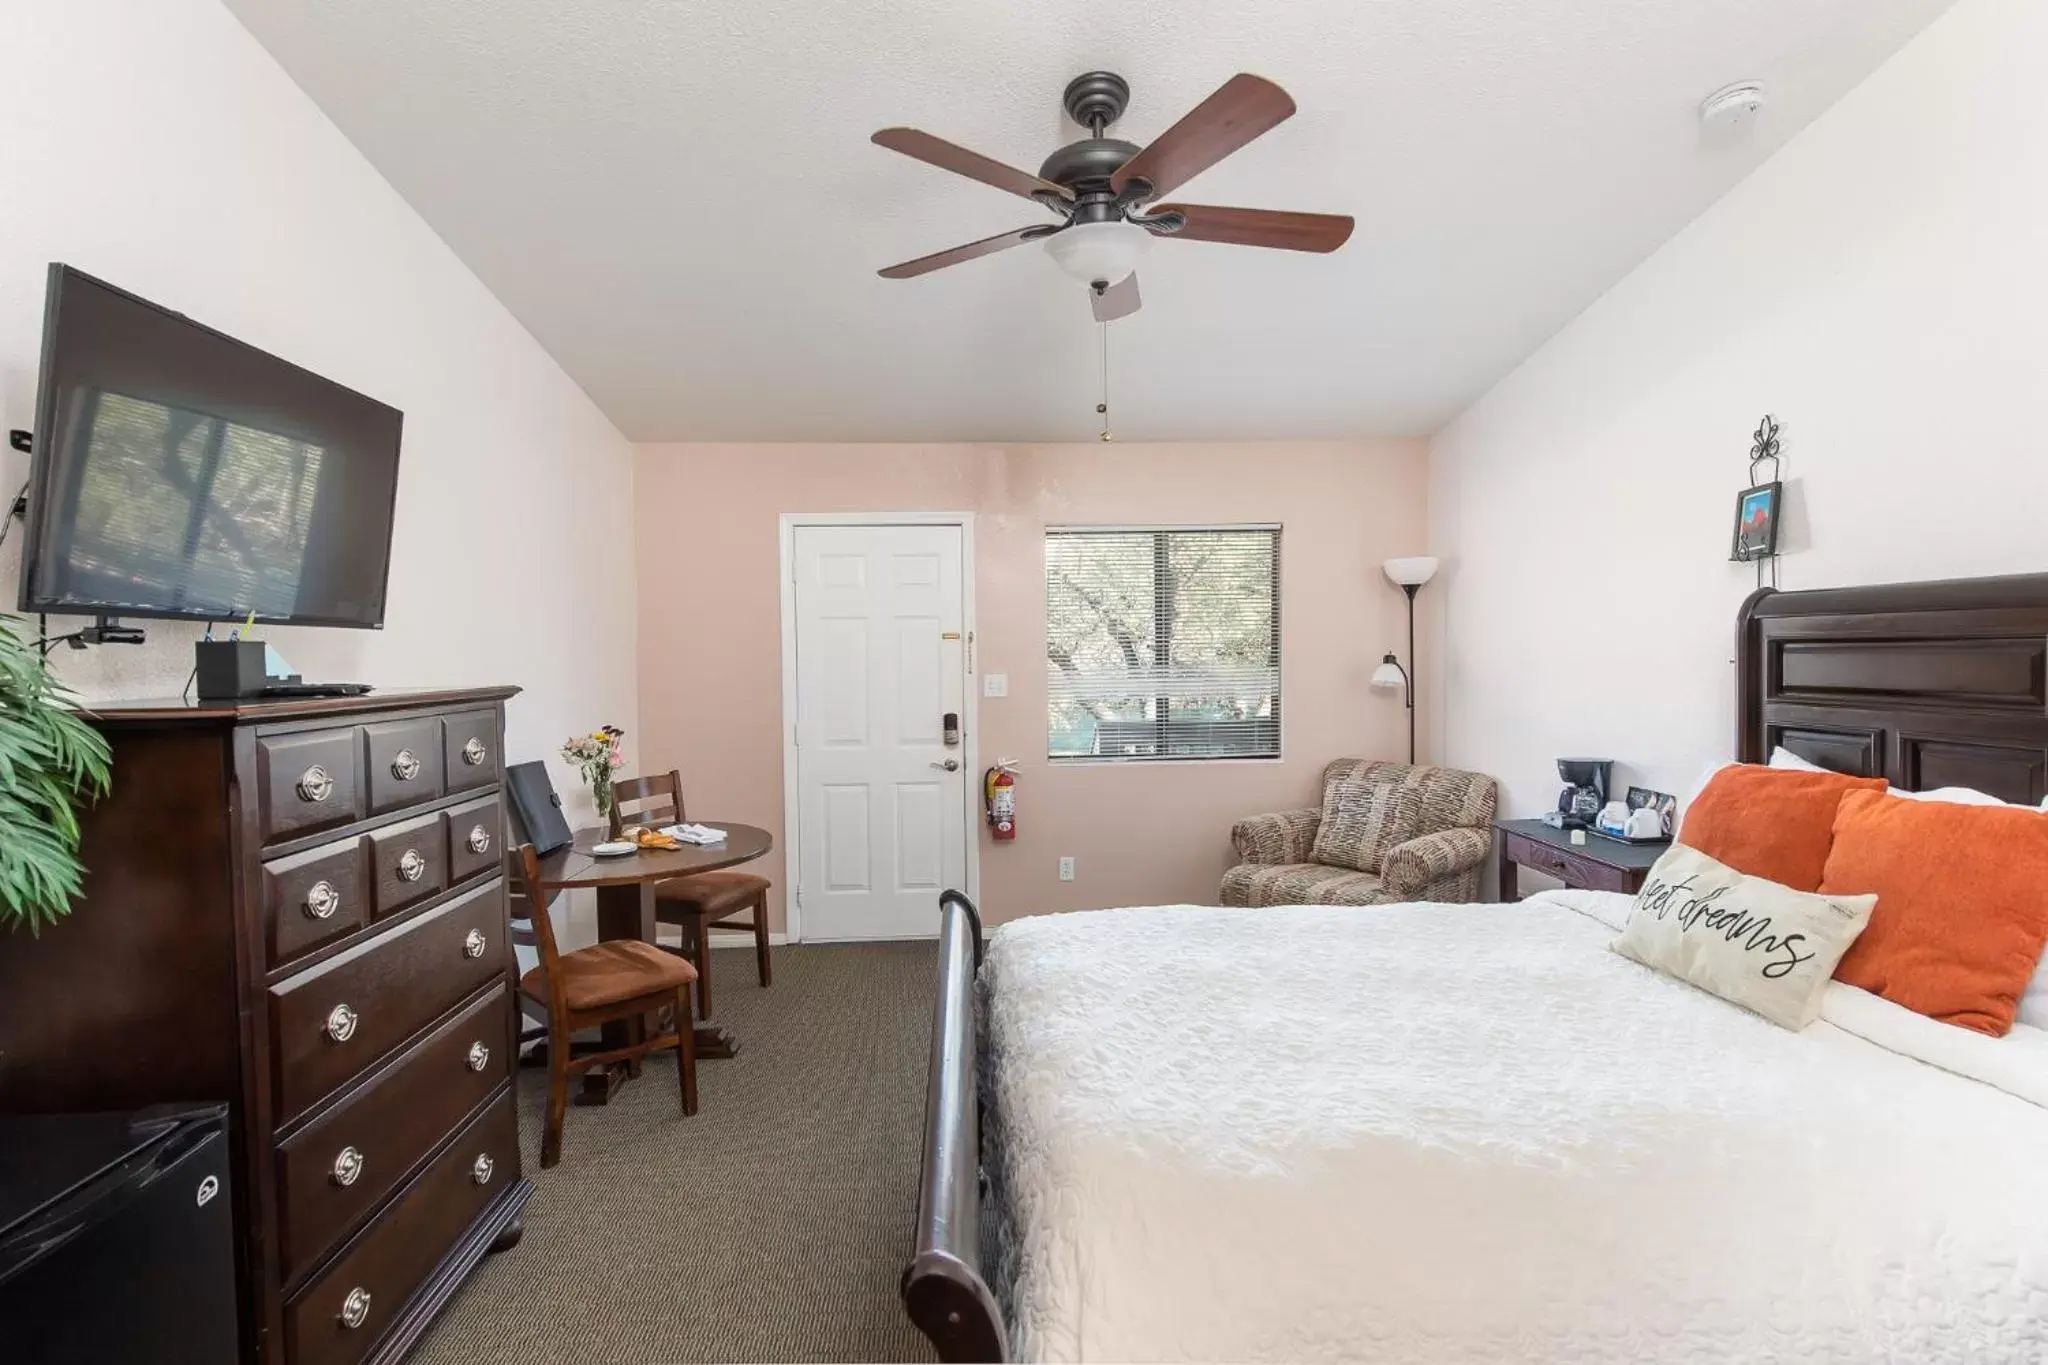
(943, 1288)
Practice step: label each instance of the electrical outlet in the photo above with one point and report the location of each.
(995, 684)
(1066, 869)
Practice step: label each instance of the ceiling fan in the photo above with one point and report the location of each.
(1103, 188)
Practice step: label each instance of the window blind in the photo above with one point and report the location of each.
(1163, 643)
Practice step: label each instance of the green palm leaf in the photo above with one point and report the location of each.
(52, 761)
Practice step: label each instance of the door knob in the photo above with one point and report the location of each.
(951, 765)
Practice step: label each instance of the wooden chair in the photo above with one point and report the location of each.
(619, 979)
(694, 904)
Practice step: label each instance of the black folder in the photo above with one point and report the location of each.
(536, 808)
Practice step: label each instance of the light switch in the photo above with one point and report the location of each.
(995, 684)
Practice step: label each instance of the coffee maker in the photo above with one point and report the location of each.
(1585, 792)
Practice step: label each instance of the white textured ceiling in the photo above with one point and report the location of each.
(679, 199)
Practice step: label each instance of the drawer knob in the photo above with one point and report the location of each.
(479, 839)
(479, 1056)
(480, 1169)
(322, 900)
(473, 943)
(405, 765)
(411, 866)
(355, 1308)
(348, 1166)
(341, 1023)
(474, 752)
(314, 785)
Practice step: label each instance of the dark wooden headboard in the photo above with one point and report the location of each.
(1940, 684)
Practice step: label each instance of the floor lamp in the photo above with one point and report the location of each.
(1409, 575)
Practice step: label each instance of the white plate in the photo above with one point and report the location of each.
(617, 849)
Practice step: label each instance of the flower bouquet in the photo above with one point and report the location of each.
(597, 756)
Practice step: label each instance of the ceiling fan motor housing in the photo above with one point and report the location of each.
(1087, 164)
(1094, 100)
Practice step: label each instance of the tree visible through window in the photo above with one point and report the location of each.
(1163, 644)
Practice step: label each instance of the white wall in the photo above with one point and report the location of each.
(155, 144)
(1881, 284)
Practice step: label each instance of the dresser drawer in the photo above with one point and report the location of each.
(470, 749)
(331, 1022)
(313, 898)
(1583, 873)
(341, 1316)
(409, 862)
(308, 782)
(337, 1170)
(476, 838)
(1540, 857)
(402, 763)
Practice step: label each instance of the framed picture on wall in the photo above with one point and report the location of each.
(1756, 522)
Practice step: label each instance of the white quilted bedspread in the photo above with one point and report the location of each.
(1446, 1134)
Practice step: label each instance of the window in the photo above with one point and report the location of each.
(1163, 643)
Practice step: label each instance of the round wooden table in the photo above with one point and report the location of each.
(625, 909)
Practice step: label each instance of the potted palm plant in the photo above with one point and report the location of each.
(51, 763)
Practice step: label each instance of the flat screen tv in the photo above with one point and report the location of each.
(180, 473)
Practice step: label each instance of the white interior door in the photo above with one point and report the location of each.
(879, 662)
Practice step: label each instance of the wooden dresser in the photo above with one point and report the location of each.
(298, 907)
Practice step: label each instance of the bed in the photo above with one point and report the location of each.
(1430, 1133)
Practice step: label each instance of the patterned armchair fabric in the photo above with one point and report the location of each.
(1442, 864)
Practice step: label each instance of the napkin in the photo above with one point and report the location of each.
(695, 834)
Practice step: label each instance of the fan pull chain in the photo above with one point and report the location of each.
(1102, 408)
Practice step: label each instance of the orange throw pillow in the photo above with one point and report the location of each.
(1962, 904)
(1774, 823)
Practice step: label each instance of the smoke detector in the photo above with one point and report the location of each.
(1732, 106)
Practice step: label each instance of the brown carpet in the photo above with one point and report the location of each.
(771, 1226)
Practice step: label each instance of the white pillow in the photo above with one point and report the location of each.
(1699, 784)
(1781, 757)
(2033, 1010)
(1752, 942)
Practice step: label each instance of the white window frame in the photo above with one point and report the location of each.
(1280, 683)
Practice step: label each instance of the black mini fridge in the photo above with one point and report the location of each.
(117, 1239)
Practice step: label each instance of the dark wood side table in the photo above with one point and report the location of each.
(1596, 865)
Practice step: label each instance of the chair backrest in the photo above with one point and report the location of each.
(663, 793)
(522, 870)
(1452, 798)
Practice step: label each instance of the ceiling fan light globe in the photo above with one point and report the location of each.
(1091, 252)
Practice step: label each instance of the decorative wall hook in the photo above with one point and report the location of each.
(1764, 446)
(1758, 507)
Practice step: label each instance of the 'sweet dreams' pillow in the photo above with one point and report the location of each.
(1750, 941)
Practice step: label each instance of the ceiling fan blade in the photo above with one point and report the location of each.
(947, 157)
(939, 260)
(1120, 300)
(1260, 227)
(1241, 109)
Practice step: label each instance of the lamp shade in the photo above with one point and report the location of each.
(1098, 251)
(1411, 572)
(1389, 674)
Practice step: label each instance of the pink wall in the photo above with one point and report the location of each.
(706, 522)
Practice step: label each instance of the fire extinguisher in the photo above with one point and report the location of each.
(999, 799)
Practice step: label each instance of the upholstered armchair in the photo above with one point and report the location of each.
(1441, 864)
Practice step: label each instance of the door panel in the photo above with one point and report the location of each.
(879, 661)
